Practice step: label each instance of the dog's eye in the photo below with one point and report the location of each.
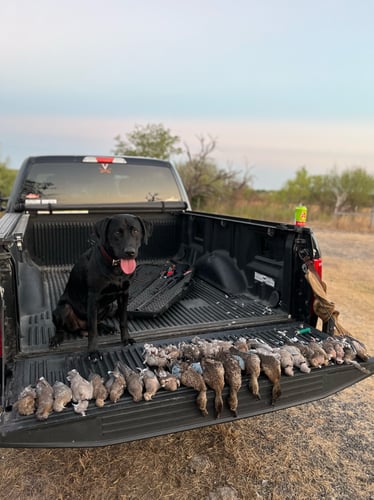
(134, 230)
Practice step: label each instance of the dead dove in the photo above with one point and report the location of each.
(233, 378)
(351, 353)
(329, 348)
(44, 399)
(252, 368)
(82, 389)
(189, 351)
(190, 377)
(298, 359)
(210, 348)
(100, 392)
(355, 345)
(26, 404)
(241, 344)
(167, 380)
(286, 361)
(359, 347)
(271, 366)
(62, 395)
(118, 385)
(214, 376)
(134, 382)
(155, 356)
(314, 354)
(151, 383)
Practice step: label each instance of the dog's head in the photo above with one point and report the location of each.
(121, 236)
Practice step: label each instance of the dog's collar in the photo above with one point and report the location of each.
(108, 258)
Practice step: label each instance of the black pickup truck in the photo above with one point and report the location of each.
(201, 277)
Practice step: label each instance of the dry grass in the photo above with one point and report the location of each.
(319, 450)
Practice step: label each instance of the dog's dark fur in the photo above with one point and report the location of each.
(97, 280)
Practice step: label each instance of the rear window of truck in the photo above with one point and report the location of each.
(97, 183)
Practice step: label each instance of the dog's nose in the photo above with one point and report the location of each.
(130, 252)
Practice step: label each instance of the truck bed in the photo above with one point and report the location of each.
(246, 280)
(201, 307)
(202, 310)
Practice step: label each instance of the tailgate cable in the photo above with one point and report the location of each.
(323, 307)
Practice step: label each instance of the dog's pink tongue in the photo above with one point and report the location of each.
(128, 266)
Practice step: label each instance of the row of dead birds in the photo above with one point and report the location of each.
(199, 364)
(45, 398)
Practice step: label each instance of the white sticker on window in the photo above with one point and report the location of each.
(31, 201)
(49, 202)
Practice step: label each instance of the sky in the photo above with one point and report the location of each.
(278, 84)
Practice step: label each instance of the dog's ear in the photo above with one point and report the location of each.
(100, 229)
(147, 228)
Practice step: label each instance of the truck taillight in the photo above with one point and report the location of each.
(318, 266)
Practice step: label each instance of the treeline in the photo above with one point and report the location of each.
(228, 190)
(7, 177)
(204, 180)
(348, 191)
(211, 187)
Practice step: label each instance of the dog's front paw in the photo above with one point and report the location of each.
(95, 356)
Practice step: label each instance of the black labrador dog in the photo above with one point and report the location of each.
(101, 276)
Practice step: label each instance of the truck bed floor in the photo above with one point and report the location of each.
(202, 306)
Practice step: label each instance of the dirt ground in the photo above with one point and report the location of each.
(319, 450)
